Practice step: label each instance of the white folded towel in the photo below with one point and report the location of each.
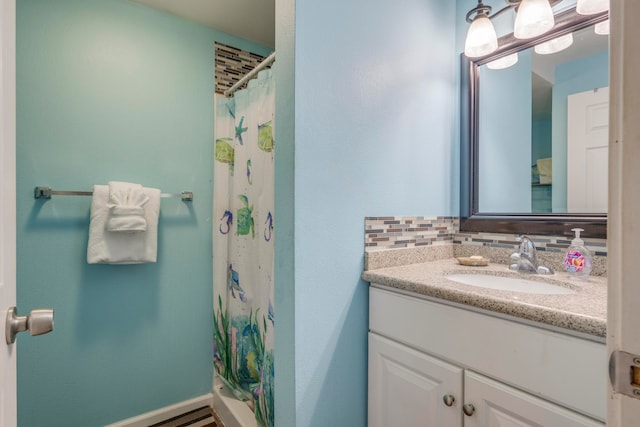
(126, 204)
(114, 247)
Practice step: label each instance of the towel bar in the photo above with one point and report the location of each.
(47, 192)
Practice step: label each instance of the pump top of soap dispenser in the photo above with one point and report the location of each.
(577, 240)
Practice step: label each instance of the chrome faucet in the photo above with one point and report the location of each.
(526, 260)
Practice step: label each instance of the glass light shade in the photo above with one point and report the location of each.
(481, 37)
(534, 17)
(554, 45)
(504, 62)
(602, 28)
(589, 7)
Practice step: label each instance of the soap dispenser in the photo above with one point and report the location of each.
(577, 260)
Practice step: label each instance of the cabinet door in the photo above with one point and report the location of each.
(498, 405)
(407, 388)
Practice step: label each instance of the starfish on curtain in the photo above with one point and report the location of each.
(240, 130)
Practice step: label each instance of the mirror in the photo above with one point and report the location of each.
(534, 135)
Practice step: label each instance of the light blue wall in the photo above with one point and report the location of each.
(284, 243)
(374, 134)
(505, 137)
(111, 90)
(573, 77)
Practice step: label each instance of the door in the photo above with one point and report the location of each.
(587, 151)
(408, 388)
(623, 232)
(497, 405)
(7, 207)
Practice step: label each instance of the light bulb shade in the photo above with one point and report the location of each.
(534, 18)
(504, 62)
(554, 45)
(481, 37)
(602, 28)
(590, 7)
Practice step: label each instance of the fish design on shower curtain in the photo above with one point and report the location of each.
(244, 316)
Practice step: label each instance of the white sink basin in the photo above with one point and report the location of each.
(513, 284)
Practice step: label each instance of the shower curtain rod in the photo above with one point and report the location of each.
(268, 61)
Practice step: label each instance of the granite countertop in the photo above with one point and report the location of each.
(585, 311)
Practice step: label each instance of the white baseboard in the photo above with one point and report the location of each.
(165, 413)
(232, 412)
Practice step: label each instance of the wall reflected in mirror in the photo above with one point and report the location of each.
(543, 129)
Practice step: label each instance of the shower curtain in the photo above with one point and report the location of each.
(243, 244)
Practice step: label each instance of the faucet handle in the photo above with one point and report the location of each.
(526, 245)
(523, 238)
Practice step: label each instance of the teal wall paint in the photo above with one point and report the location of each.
(541, 139)
(374, 133)
(111, 90)
(573, 77)
(541, 149)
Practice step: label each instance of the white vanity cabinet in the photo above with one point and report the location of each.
(432, 363)
(411, 388)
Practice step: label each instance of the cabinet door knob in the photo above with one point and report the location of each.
(468, 409)
(448, 399)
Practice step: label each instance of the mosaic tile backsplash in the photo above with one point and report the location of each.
(232, 64)
(542, 243)
(392, 232)
(397, 240)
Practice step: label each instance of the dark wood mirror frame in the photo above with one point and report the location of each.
(538, 224)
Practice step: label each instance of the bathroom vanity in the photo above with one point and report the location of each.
(447, 354)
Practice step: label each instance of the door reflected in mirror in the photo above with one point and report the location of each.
(543, 130)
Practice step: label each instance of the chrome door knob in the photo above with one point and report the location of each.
(448, 399)
(468, 409)
(38, 322)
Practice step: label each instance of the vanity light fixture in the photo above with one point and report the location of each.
(504, 62)
(554, 45)
(533, 18)
(602, 28)
(590, 7)
(481, 36)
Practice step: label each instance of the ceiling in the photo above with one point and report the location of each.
(253, 20)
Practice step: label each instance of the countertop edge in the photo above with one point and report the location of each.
(504, 303)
